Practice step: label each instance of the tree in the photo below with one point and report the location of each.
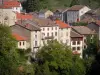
(90, 52)
(75, 2)
(7, 51)
(95, 67)
(57, 59)
(92, 46)
(11, 62)
(7, 42)
(32, 5)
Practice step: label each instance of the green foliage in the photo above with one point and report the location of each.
(88, 62)
(32, 5)
(57, 59)
(75, 2)
(92, 46)
(7, 42)
(78, 67)
(79, 24)
(36, 5)
(11, 61)
(90, 52)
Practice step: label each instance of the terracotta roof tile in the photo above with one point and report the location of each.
(23, 16)
(62, 24)
(10, 4)
(18, 37)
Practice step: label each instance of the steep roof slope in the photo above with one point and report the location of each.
(83, 30)
(62, 24)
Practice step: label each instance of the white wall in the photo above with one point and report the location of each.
(64, 36)
(22, 45)
(17, 9)
(11, 17)
(78, 45)
(84, 10)
(49, 30)
(35, 38)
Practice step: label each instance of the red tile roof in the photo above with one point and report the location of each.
(62, 24)
(18, 37)
(10, 4)
(98, 22)
(24, 16)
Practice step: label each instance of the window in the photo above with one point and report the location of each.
(16, 8)
(52, 33)
(77, 15)
(48, 29)
(74, 42)
(52, 28)
(67, 41)
(78, 42)
(55, 33)
(84, 47)
(35, 31)
(20, 43)
(85, 40)
(35, 36)
(48, 34)
(43, 34)
(78, 48)
(23, 43)
(43, 29)
(55, 28)
(35, 43)
(73, 48)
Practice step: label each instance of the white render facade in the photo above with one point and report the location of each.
(7, 16)
(64, 36)
(77, 46)
(49, 33)
(22, 45)
(17, 9)
(35, 41)
(75, 15)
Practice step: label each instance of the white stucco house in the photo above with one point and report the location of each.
(77, 43)
(30, 31)
(85, 32)
(49, 30)
(75, 13)
(64, 32)
(21, 41)
(13, 4)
